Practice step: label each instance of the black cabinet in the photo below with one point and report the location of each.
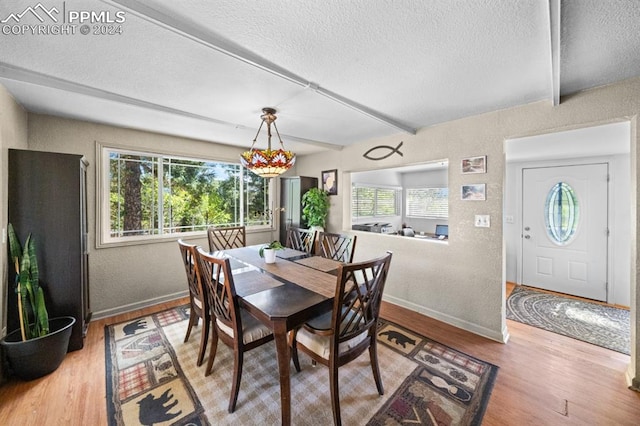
(47, 198)
(291, 191)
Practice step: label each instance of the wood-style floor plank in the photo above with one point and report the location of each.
(544, 378)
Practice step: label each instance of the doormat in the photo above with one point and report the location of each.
(593, 323)
(152, 378)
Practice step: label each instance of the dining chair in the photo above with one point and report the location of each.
(301, 239)
(198, 303)
(342, 335)
(227, 237)
(234, 326)
(340, 247)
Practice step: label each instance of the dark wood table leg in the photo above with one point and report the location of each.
(284, 360)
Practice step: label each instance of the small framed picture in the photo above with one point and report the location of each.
(476, 192)
(330, 181)
(474, 165)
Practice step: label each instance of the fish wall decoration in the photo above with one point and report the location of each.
(382, 153)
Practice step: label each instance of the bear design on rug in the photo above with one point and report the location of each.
(399, 338)
(153, 410)
(131, 328)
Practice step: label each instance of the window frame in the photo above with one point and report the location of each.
(103, 222)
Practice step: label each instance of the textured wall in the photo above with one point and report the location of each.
(13, 134)
(125, 277)
(462, 282)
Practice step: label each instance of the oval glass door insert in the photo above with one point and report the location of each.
(561, 213)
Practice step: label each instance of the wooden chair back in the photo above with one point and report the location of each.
(221, 291)
(233, 326)
(357, 302)
(301, 239)
(227, 237)
(340, 247)
(352, 326)
(198, 301)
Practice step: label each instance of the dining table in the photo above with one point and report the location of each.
(283, 295)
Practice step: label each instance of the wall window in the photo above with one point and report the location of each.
(372, 201)
(148, 195)
(428, 202)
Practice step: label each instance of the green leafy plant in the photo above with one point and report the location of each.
(315, 206)
(34, 319)
(274, 245)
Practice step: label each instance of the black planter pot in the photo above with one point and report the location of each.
(40, 356)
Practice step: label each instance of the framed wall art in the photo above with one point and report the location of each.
(474, 165)
(476, 192)
(330, 181)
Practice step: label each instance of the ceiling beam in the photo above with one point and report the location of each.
(12, 72)
(206, 38)
(555, 27)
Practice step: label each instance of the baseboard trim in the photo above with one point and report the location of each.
(138, 305)
(501, 337)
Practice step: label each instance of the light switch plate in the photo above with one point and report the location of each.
(482, 221)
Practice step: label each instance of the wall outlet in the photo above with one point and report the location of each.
(508, 219)
(482, 221)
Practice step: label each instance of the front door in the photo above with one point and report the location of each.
(565, 229)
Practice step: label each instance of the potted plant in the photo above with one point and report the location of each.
(38, 347)
(315, 208)
(268, 251)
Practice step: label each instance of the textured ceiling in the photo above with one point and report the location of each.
(338, 72)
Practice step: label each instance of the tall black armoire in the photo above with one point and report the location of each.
(291, 191)
(47, 198)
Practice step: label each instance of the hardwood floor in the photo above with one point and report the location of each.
(544, 378)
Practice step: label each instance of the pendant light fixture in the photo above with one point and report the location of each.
(267, 162)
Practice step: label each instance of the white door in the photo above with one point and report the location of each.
(565, 229)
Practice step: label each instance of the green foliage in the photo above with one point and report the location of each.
(274, 245)
(195, 195)
(315, 207)
(34, 319)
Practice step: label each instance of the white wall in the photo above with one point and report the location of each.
(463, 282)
(126, 277)
(13, 134)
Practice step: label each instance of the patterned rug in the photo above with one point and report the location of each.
(593, 323)
(152, 378)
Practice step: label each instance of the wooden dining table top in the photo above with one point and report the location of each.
(314, 273)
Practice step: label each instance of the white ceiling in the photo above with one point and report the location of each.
(337, 71)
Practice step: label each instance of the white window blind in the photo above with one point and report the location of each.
(428, 202)
(371, 201)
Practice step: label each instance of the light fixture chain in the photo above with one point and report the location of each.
(257, 133)
(277, 133)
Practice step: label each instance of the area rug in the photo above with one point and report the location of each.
(597, 324)
(152, 378)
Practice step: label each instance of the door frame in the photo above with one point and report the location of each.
(614, 226)
(607, 268)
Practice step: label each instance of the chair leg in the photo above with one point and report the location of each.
(335, 393)
(237, 376)
(213, 350)
(373, 354)
(192, 319)
(294, 353)
(204, 337)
